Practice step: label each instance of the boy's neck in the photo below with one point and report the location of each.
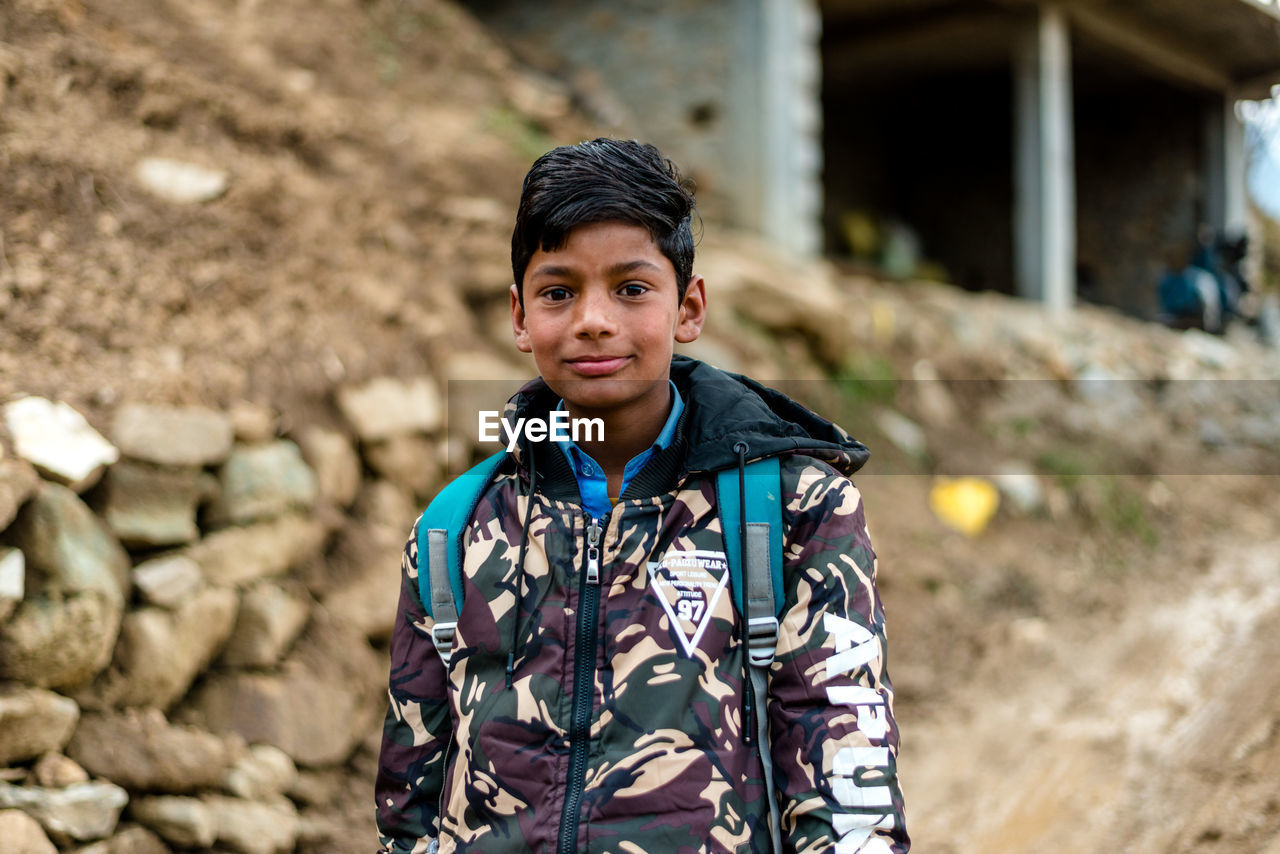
(628, 431)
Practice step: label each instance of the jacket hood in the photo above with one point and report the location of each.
(723, 409)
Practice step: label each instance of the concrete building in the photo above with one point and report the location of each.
(1050, 149)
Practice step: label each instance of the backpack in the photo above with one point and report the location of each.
(758, 549)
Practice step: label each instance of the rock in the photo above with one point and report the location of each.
(335, 463)
(128, 839)
(262, 482)
(57, 440)
(147, 506)
(179, 182)
(60, 642)
(366, 601)
(252, 423)
(167, 581)
(55, 771)
(33, 721)
(161, 652)
(13, 580)
(63, 539)
(269, 621)
(142, 751)
(254, 828)
(266, 772)
(83, 811)
(386, 407)
(411, 461)
(18, 480)
(244, 554)
(320, 706)
(1019, 483)
(22, 834)
(174, 436)
(933, 400)
(905, 434)
(181, 821)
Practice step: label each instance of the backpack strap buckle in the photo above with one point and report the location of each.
(442, 636)
(762, 640)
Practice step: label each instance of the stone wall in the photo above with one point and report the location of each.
(191, 604)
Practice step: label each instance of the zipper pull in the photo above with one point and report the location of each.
(593, 552)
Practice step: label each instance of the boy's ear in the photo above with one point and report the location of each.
(517, 322)
(693, 311)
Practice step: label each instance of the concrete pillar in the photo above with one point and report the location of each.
(1224, 168)
(1044, 168)
(778, 114)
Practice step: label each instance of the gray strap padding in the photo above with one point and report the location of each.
(760, 602)
(443, 608)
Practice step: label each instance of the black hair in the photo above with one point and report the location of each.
(604, 180)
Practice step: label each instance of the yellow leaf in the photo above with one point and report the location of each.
(965, 503)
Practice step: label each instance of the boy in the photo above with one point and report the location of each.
(597, 695)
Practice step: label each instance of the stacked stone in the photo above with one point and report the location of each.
(186, 616)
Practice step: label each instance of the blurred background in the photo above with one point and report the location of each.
(254, 260)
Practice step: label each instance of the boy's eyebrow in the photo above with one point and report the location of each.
(562, 271)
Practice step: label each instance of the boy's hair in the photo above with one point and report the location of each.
(604, 180)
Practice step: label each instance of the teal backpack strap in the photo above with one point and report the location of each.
(761, 513)
(440, 531)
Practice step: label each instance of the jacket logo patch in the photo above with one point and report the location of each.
(688, 585)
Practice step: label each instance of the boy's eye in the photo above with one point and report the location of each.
(634, 289)
(556, 294)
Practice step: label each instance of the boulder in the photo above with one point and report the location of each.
(22, 834)
(174, 436)
(57, 440)
(254, 828)
(33, 721)
(262, 482)
(161, 652)
(180, 182)
(143, 752)
(321, 705)
(167, 581)
(335, 463)
(269, 620)
(60, 642)
(252, 423)
(265, 772)
(386, 407)
(408, 460)
(128, 839)
(18, 480)
(367, 601)
(70, 546)
(147, 506)
(241, 555)
(13, 580)
(83, 811)
(55, 771)
(181, 821)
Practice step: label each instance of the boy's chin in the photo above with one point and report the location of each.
(603, 395)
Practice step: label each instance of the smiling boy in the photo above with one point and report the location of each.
(596, 694)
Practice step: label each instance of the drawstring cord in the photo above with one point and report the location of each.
(524, 547)
(748, 703)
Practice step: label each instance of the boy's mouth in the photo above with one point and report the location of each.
(597, 366)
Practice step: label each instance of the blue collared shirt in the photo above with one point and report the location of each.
(593, 486)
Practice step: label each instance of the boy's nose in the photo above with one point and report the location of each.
(594, 316)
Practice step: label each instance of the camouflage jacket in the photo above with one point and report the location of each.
(620, 727)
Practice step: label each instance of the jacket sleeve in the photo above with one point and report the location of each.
(834, 740)
(418, 728)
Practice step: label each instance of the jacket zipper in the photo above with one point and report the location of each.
(584, 672)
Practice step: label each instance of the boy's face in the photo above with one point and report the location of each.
(601, 315)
